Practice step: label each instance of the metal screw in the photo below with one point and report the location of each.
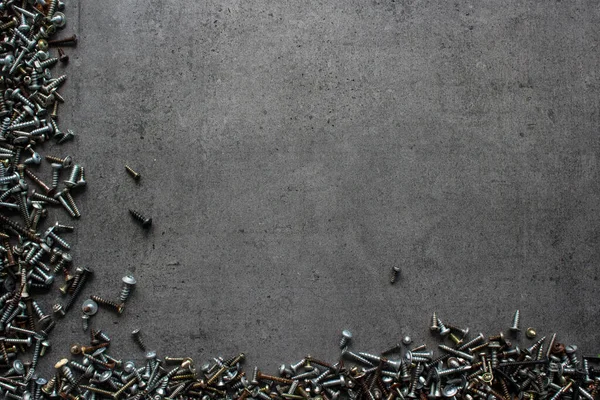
(119, 308)
(128, 284)
(135, 175)
(515, 324)
(346, 337)
(145, 222)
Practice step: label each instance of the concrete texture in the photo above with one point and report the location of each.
(293, 152)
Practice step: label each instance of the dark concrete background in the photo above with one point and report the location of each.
(293, 152)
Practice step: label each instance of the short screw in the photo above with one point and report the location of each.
(128, 284)
(135, 175)
(114, 306)
(145, 222)
(395, 273)
(515, 323)
(137, 338)
(346, 337)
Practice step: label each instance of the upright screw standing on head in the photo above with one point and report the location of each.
(130, 171)
(145, 222)
(128, 284)
(515, 324)
(395, 272)
(346, 337)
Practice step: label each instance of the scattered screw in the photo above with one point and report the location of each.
(131, 172)
(145, 222)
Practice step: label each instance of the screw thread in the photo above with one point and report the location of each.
(135, 175)
(117, 307)
(77, 290)
(137, 338)
(516, 319)
(72, 204)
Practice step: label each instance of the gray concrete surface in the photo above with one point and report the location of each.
(293, 152)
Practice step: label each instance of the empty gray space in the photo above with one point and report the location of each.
(293, 152)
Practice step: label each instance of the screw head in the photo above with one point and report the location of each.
(570, 349)
(129, 366)
(530, 333)
(19, 367)
(347, 334)
(150, 355)
(89, 307)
(406, 340)
(129, 280)
(67, 162)
(61, 363)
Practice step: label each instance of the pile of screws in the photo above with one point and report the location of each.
(468, 368)
(31, 257)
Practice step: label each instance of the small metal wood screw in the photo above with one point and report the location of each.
(145, 222)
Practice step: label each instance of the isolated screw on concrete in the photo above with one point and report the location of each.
(145, 222)
(135, 175)
(394, 276)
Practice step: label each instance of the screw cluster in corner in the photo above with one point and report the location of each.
(34, 253)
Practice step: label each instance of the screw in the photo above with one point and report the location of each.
(128, 284)
(110, 304)
(131, 172)
(530, 333)
(394, 276)
(515, 324)
(346, 337)
(137, 337)
(145, 222)
(434, 323)
(69, 41)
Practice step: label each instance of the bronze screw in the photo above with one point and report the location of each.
(69, 41)
(261, 376)
(66, 162)
(130, 171)
(116, 307)
(62, 57)
(38, 181)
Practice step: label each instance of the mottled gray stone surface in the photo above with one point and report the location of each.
(292, 152)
